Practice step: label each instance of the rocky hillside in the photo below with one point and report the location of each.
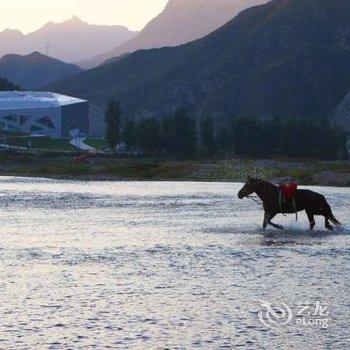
(287, 58)
(342, 114)
(181, 21)
(35, 70)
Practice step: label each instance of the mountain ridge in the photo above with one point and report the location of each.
(85, 40)
(287, 58)
(34, 70)
(180, 22)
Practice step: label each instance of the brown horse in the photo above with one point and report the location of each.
(313, 203)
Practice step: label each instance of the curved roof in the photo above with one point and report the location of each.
(31, 99)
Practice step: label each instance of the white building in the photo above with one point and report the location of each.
(44, 113)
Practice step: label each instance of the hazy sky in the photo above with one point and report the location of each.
(29, 15)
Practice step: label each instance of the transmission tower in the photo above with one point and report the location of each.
(47, 48)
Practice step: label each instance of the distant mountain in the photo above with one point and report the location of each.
(181, 21)
(287, 58)
(11, 41)
(70, 41)
(35, 70)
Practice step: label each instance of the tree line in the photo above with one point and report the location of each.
(5, 85)
(182, 135)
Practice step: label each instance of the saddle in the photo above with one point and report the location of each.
(288, 189)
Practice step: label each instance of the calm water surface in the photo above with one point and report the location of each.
(126, 265)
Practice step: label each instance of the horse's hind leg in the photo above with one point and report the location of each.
(311, 218)
(327, 224)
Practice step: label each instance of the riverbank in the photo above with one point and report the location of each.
(60, 165)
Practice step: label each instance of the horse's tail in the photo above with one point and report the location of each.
(329, 214)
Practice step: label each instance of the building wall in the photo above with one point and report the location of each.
(53, 121)
(76, 116)
(45, 121)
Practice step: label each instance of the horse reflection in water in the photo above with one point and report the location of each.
(313, 203)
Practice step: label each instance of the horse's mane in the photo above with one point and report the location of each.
(265, 183)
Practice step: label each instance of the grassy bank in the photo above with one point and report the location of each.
(61, 165)
(43, 143)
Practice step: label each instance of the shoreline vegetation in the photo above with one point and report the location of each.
(60, 165)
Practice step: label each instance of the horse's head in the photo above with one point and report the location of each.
(250, 187)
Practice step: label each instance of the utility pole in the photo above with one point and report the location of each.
(47, 48)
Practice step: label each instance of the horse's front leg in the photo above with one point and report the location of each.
(265, 221)
(268, 218)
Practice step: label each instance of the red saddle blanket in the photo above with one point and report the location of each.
(289, 190)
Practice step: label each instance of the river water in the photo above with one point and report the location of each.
(145, 265)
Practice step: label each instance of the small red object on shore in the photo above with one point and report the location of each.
(81, 159)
